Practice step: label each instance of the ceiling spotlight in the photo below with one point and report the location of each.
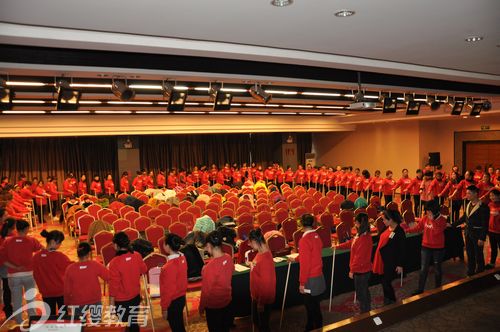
(486, 105)
(281, 3)
(67, 97)
(122, 90)
(390, 105)
(6, 95)
(259, 94)
(177, 100)
(213, 91)
(166, 90)
(433, 104)
(476, 109)
(222, 101)
(472, 39)
(456, 107)
(344, 13)
(413, 107)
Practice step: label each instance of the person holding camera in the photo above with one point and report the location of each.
(432, 225)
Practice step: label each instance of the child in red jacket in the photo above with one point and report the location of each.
(433, 225)
(360, 264)
(262, 281)
(17, 254)
(82, 289)
(49, 266)
(311, 279)
(126, 269)
(173, 283)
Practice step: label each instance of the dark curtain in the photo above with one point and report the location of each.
(304, 145)
(41, 157)
(184, 151)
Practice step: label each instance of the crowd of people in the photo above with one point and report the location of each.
(25, 262)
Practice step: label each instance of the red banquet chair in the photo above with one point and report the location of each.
(347, 217)
(245, 218)
(102, 212)
(267, 227)
(93, 209)
(120, 225)
(108, 252)
(277, 245)
(406, 205)
(308, 204)
(164, 207)
(110, 218)
(101, 239)
(379, 223)
(154, 233)
(317, 209)
(141, 223)
(226, 212)
(263, 217)
(392, 206)
(132, 234)
(155, 259)
(338, 198)
(227, 249)
(352, 197)
(280, 205)
(178, 229)
(343, 233)
(195, 211)
(324, 201)
(333, 208)
(297, 235)
(281, 215)
(372, 212)
(163, 220)
(125, 209)
(243, 209)
(187, 219)
(242, 249)
(326, 220)
(174, 212)
(288, 227)
(83, 224)
(325, 235)
(184, 205)
(201, 204)
(132, 216)
(243, 230)
(212, 214)
(153, 213)
(143, 210)
(300, 211)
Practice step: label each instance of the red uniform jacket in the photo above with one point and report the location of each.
(125, 276)
(138, 183)
(109, 187)
(69, 187)
(173, 280)
(300, 176)
(462, 187)
(449, 189)
(361, 253)
(124, 184)
(494, 225)
(81, 283)
(18, 250)
(289, 176)
(437, 187)
(433, 232)
(48, 270)
(96, 187)
(404, 183)
(388, 186)
(161, 180)
(26, 194)
(415, 186)
(263, 278)
(311, 264)
(216, 283)
(51, 189)
(42, 199)
(82, 188)
(172, 181)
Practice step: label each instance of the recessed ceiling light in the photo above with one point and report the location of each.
(345, 13)
(281, 3)
(472, 39)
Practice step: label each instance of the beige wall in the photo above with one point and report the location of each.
(382, 146)
(396, 145)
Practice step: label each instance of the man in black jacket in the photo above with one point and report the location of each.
(476, 227)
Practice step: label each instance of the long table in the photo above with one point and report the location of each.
(241, 302)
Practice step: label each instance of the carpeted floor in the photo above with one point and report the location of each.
(343, 306)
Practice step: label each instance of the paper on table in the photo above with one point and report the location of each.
(279, 259)
(241, 268)
(293, 256)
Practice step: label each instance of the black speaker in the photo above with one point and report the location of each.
(434, 158)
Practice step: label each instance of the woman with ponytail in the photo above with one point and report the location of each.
(49, 266)
(8, 228)
(216, 285)
(82, 289)
(126, 269)
(173, 283)
(262, 280)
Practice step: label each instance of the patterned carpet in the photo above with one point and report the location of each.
(343, 306)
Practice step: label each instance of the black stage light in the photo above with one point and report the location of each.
(223, 101)
(259, 94)
(6, 95)
(413, 107)
(390, 105)
(122, 91)
(177, 100)
(433, 104)
(456, 107)
(67, 97)
(476, 109)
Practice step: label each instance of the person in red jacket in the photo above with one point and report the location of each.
(124, 183)
(414, 189)
(161, 180)
(173, 283)
(360, 264)
(41, 201)
(22, 179)
(404, 182)
(300, 176)
(4, 183)
(432, 225)
(49, 266)
(172, 180)
(8, 229)
(437, 186)
(262, 280)
(311, 279)
(149, 180)
(109, 185)
(494, 227)
(51, 189)
(485, 186)
(478, 174)
(96, 186)
(126, 269)
(138, 182)
(456, 200)
(68, 186)
(387, 187)
(17, 254)
(376, 184)
(82, 185)
(82, 288)
(216, 285)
